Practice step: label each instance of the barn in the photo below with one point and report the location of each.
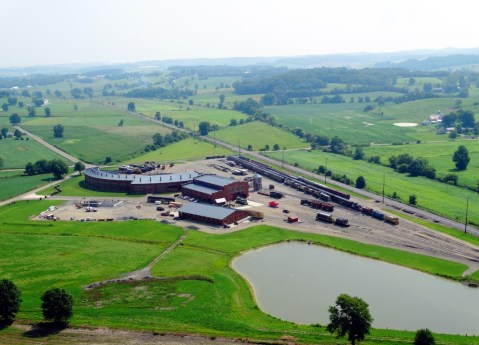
(211, 214)
(112, 181)
(213, 189)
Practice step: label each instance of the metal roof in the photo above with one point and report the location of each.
(205, 210)
(215, 180)
(199, 188)
(141, 179)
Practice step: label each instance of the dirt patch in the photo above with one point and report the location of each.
(106, 336)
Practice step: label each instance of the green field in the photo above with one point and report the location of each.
(93, 132)
(186, 150)
(434, 196)
(352, 124)
(17, 153)
(179, 111)
(13, 183)
(202, 295)
(258, 134)
(439, 155)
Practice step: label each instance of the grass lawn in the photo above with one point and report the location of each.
(202, 295)
(431, 195)
(17, 153)
(258, 134)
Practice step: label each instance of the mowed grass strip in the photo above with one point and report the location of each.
(437, 197)
(258, 134)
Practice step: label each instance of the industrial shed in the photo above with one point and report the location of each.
(210, 188)
(211, 214)
(112, 181)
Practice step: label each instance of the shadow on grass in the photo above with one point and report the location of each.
(5, 323)
(45, 329)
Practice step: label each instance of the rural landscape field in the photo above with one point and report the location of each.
(177, 194)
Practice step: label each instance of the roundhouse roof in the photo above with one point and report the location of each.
(141, 179)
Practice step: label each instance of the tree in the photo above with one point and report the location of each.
(15, 119)
(204, 127)
(75, 107)
(360, 182)
(48, 112)
(76, 93)
(358, 153)
(5, 107)
(158, 116)
(249, 147)
(350, 316)
(233, 122)
(461, 158)
(413, 199)
(222, 98)
(424, 337)
(57, 305)
(58, 168)
(158, 139)
(79, 166)
(9, 300)
(12, 101)
(58, 131)
(17, 134)
(32, 112)
(131, 106)
(4, 132)
(2, 162)
(276, 147)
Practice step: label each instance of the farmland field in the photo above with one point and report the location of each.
(180, 112)
(17, 153)
(431, 195)
(93, 132)
(352, 124)
(258, 134)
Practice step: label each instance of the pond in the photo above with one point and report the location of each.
(298, 282)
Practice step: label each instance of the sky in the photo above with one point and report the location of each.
(46, 32)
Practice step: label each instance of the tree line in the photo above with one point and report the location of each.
(55, 166)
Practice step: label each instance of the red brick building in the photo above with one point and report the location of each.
(212, 188)
(211, 214)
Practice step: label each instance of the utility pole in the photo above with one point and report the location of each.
(239, 148)
(467, 211)
(384, 180)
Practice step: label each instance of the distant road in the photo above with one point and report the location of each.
(422, 214)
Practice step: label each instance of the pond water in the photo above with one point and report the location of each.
(298, 282)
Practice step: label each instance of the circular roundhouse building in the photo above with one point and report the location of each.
(110, 181)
